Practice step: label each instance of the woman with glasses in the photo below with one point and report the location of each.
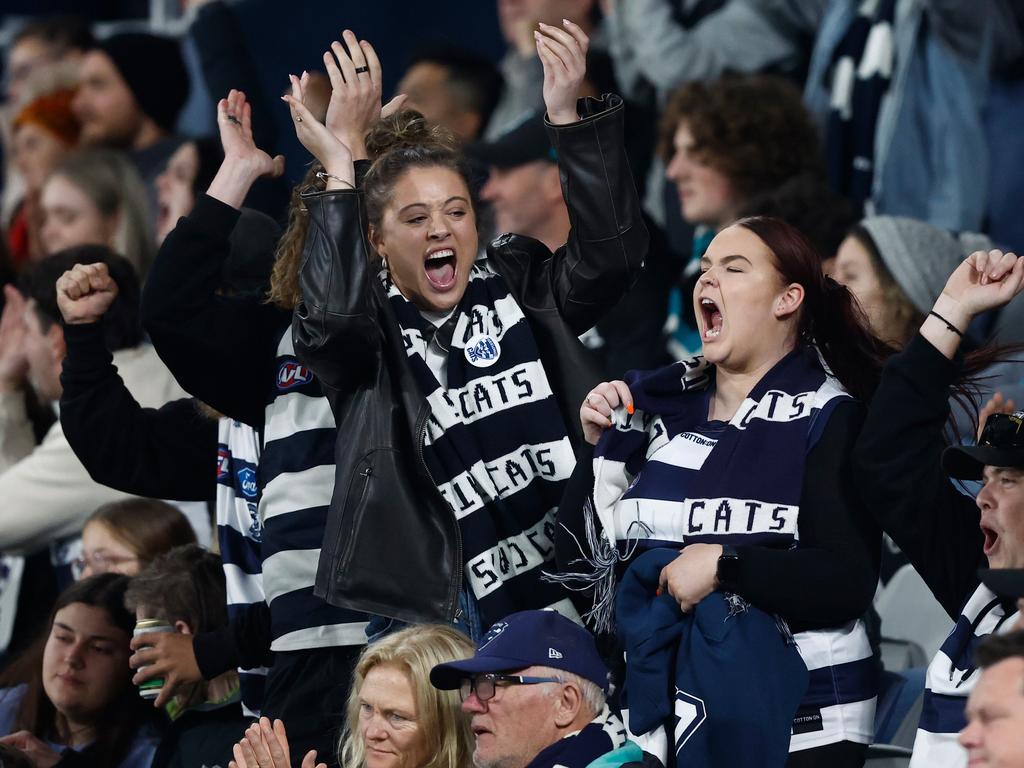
(124, 536)
(395, 717)
(904, 470)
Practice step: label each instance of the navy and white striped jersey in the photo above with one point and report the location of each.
(297, 479)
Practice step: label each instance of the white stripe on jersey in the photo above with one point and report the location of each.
(291, 491)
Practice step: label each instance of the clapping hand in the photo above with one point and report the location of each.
(234, 120)
(563, 52)
(264, 746)
(85, 293)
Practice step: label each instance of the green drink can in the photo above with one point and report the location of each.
(151, 688)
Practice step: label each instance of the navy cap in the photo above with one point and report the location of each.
(1001, 445)
(525, 143)
(527, 639)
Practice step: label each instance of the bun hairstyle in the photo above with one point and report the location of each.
(402, 141)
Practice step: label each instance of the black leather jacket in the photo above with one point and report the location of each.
(392, 545)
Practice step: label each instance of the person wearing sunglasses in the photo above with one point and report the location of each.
(906, 474)
(535, 692)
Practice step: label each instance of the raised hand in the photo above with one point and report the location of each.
(266, 746)
(596, 411)
(234, 121)
(563, 52)
(85, 293)
(13, 360)
(334, 155)
(985, 280)
(355, 103)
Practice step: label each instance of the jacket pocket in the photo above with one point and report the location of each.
(359, 491)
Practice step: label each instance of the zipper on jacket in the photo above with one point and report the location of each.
(421, 430)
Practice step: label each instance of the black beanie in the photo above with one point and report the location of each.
(154, 71)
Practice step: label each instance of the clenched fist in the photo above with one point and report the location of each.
(85, 292)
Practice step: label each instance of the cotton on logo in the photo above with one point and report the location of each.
(247, 481)
(690, 714)
(291, 375)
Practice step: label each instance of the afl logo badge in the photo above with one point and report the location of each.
(483, 350)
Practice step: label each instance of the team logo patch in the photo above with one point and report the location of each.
(483, 350)
(690, 714)
(223, 462)
(291, 375)
(493, 633)
(247, 481)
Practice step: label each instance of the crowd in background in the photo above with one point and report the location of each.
(264, 452)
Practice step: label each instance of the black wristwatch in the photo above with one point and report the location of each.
(728, 566)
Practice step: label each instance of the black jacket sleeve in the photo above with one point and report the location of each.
(831, 577)
(167, 452)
(608, 238)
(897, 466)
(219, 349)
(244, 643)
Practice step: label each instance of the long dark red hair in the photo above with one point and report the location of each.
(831, 318)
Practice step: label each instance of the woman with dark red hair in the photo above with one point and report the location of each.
(734, 466)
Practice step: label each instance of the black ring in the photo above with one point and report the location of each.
(360, 70)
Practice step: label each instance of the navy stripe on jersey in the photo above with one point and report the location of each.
(237, 550)
(942, 713)
(841, 684)
(297, 480)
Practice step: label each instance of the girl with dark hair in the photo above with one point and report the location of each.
(739, 460)
(453, 371)
(69, 700)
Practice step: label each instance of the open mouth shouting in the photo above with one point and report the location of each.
(991, 539)
(713, 319)
(441, 268)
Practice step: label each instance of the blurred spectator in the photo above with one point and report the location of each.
(809, 204)
(44, 41)
(521, 70)
(453, 87)
(897, 267)
(995, 710)
(47, 492)
(72, 691)
(188, 173)
(725, 143)
(125, 536)
(898, 84)
(525, 192)
(133, 86)
(44, 131)
(95, 197)
(185, 589)
(518, 719)
(394, 717)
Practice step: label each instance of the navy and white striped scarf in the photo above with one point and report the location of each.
(951, 677)
(496, 444)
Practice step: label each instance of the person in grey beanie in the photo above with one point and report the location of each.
(896, 267)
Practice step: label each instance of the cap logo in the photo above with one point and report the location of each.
(553, 654)
(493, 633)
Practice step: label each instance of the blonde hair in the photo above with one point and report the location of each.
(110, 180)
(416, 650)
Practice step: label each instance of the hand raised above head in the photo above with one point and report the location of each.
(984, 280)
(234, 120)
(355, 103)
(85, 292)
(563, 52)
(334, 155)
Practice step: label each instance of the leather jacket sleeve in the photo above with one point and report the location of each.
(608, 239)
(334, 327)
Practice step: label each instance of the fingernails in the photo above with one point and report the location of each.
(658, 592)
(566, 22)
(630, 408)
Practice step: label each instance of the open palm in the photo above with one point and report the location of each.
(234, 120)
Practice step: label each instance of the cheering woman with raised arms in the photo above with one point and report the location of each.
(453, 373)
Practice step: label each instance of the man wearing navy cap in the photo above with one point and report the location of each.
(535, 690)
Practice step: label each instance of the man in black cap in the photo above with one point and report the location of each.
(535, 690)
(132, 87)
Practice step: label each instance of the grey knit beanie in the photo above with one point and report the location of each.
(919, 256)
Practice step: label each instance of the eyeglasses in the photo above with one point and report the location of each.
(485, 685)
(1003, 430)
(100, 563)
